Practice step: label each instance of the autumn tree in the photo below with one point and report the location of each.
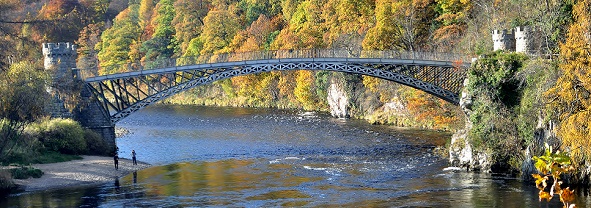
(383, 35)
(219, 29)
(188, 22)
(87, 53)
(569, 98)
(255, 88)
(161, 44)
(115, 46)
(452, 19)
(70, 11)
(347, 23)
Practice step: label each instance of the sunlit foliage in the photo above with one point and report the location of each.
(552, 166)
(496, 94)
(570, 99)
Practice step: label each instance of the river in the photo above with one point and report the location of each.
(242, 157)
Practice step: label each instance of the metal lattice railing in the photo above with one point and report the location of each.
(273, 54)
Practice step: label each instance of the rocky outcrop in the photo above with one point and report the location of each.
(338, 101)
(461, 151)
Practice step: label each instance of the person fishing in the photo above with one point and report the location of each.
(133, 157)
(116, 160)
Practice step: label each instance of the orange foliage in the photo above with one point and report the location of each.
(427, 108)
(57, 8)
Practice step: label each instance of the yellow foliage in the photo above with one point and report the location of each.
(570, 100)
(371, 83)
(303, 90)
(552, 165)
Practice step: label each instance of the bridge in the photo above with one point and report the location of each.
(141, 84)
(103, 100)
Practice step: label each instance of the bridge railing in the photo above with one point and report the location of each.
(272, 54)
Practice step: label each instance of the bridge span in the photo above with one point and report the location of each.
(136, 85)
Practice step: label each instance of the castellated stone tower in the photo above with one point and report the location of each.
(503, 40)
(523, 40)
(60, 60)
(60, 57)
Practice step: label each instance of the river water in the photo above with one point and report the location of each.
(239, 157)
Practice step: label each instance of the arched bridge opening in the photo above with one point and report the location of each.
(121, 94)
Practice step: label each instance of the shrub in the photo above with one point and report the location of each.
(25, 172)
(61, 135)
(95, 143)
(6, 182)
(496, 94)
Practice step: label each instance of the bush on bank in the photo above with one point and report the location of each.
(59, 135)
(66, 136)
(25, 172)
(95, 145)
(50, 141)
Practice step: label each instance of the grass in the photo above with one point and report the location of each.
(40, 158)
(54, 157)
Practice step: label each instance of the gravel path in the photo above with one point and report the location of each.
(88, 171)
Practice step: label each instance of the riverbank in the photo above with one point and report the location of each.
(91, 170)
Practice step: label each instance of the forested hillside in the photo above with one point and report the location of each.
(116, 32)
(514, 96)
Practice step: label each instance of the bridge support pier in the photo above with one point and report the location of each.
(91, 115)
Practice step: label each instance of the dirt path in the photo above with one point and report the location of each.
(88, 171)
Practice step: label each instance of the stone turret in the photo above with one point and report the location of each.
(60, 57)
(523, 40)
(59, 60)
(503, 40)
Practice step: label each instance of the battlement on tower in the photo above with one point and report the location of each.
(59, 49)
(523, 39)
(503, 40)
(60, 56)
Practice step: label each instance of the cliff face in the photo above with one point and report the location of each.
(461, 152)
(338, 101)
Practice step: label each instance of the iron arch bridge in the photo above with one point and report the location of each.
(121, 94)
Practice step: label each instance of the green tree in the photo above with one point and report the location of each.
(22, 100)
(115, 46)
(23, 94)
(188, 22)
(161, 45)
(255, 8)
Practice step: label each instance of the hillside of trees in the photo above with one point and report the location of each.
(515, 95)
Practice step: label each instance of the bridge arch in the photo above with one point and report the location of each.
(124, 93)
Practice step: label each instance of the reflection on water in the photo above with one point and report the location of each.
(234, 157)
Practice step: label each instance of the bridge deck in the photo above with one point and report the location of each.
(139, 85)
(273, 61)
